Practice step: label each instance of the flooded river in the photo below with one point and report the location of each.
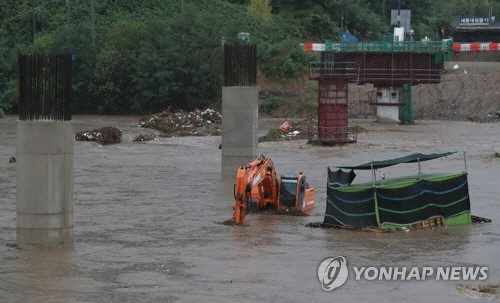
(145, 222)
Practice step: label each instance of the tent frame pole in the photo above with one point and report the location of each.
(465, 162)
(374, 177)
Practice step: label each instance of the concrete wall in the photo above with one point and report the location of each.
(388, 113)
(44, 198)
(240, 127)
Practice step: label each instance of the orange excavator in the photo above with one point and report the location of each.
(257, 183)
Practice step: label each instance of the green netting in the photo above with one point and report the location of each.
(391, 226)
(400, 202)
(408, 181)
(423, 207)
(354, 188)
(459, 219)
(350, 213)
(398, 182)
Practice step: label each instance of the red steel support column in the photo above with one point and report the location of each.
(332, 110)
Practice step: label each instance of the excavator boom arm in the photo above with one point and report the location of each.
(256, 182)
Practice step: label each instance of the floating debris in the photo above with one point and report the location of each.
(332, 226)
(103, 136)
(301, 130)
(286, 127)
(488, 291)
(287, 211)
(230, 222)
(11, 244)
(144, 137)
(181, 123)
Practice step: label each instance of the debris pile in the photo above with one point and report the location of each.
(144, 137)
(181, 123)
(492, 117)
(488, 291)
(103, 136)
(301, 130)
(283, 210)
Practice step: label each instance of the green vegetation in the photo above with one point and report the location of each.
(272, 103)
(145, 56)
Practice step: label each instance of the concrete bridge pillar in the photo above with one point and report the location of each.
(240, 127)
(240, 108)
(44, 153)
(44, 197)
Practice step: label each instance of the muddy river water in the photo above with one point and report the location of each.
(145, 222)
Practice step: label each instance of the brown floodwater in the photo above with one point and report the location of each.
(145, 222)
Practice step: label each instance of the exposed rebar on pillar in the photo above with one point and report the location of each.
(240, 108)
(44, 153)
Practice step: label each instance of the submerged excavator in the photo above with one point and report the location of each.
(257, 184)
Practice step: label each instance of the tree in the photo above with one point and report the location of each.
(115, 68)
(282, 61)
(180, 63)
(73, 40)
(260, 11)
(8, 79)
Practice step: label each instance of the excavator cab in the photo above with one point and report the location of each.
(295, 192)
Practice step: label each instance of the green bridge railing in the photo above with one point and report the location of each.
(442, 49)
(389, 46)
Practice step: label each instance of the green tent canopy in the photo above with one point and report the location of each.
(418, 157)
